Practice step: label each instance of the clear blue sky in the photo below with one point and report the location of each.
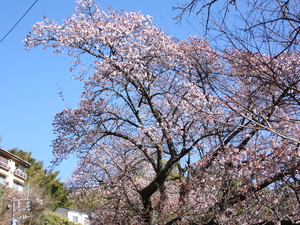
(30, 81)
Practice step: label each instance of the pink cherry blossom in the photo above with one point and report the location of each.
(171, 129)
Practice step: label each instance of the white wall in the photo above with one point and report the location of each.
(9, 175)
(71, 213)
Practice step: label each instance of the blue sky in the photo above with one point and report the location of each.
(31, 81)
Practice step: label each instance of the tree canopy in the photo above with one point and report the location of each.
(52, 218)
(175, 130)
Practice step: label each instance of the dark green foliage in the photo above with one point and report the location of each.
(51, 218)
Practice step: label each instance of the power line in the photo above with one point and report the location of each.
(18, 21)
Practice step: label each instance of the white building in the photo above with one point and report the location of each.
(73, 215)
(12, 170)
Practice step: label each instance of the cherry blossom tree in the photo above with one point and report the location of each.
(249, 22)
(261, 53)
(171, 130)
(265, 38)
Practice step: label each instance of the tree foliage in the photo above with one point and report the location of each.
(52, 218)
(174, 130)
(5, 201)
(273, 24)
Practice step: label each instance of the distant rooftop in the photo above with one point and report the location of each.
(15, 158)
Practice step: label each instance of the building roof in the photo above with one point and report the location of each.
(15, 158)
(70, 209)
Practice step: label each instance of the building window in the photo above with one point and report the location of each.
(4, 162)
(2, 180)
(75, 218)
(3, 159)
(18, 186)
(20, 167)
(86, 221)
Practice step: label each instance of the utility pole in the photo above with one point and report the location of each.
(13, 222)
(18, 206)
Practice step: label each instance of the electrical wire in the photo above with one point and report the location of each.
(18, 21)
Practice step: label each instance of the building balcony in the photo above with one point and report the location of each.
(4, 165)
(20, 174)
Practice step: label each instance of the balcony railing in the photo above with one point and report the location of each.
(20, 174)
(4, 165)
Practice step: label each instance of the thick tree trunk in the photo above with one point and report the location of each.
(147, 192)
(148, 214)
